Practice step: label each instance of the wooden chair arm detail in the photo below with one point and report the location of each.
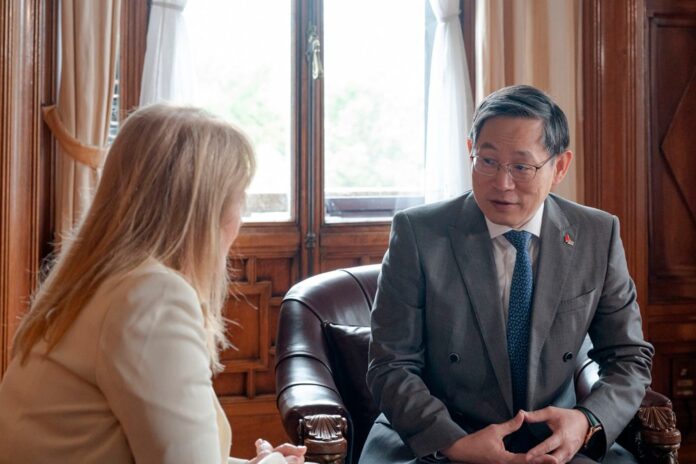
(325, 438)
(659, 437)
(652, 436)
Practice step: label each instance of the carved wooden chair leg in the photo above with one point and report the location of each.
(659, 436)
(325, 438)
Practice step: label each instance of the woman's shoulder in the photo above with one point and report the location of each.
(150, 290)
(153, 277)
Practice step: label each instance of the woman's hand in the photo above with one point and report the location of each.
(285, 453)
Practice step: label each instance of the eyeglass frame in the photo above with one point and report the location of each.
(507, 167)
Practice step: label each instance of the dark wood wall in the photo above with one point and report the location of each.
(640, 102)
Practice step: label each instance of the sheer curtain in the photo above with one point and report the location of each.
(450, 108)
(535, 42)
(168, 70)
(80, 119)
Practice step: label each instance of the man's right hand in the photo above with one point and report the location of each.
(486, 446)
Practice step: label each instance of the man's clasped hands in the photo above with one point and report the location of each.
(568, 427)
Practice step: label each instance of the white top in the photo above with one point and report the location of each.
(130, 381)
(505, 254)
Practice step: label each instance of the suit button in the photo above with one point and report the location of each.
(567, 356)
(454, 358)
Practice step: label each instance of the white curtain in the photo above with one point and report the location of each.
(80, 118)
(168, 69)
(450, 108)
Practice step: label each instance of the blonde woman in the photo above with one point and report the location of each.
(113, 362)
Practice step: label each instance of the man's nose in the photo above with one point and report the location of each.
(503, 180)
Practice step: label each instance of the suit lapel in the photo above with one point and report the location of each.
(555, 260)
(473, 252)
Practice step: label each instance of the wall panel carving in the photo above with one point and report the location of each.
(672, 265)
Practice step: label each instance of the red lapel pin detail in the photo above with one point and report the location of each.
(568, 240)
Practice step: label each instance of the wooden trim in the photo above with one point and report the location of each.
(134, 19)
(592, 77)
(27, 76)
(614, 136)
(301, 73)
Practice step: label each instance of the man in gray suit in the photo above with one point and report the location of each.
(484, 301)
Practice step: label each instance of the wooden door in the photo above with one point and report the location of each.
(640, 98)
(671, 195)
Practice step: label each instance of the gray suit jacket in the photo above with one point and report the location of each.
(439, 367)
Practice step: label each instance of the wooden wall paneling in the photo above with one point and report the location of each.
(244, 382)
(633, 82)
(27, 71)
(345, 245)
(266, 262)
(251, 419)
(671, 270)
(672, 260)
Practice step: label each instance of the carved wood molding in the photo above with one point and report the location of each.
(659, 438)
(27, 79)
(325, 438)
(248, 293)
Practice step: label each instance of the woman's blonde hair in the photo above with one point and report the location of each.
(170, 178)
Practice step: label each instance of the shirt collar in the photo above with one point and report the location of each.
(533, 226)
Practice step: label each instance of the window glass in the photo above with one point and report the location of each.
(374, 107)
(242, 54)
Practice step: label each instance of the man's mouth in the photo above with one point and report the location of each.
(503, 202)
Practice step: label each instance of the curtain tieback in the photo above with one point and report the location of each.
(90, 155)
(448, 18)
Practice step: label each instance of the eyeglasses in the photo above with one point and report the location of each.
(519, 172)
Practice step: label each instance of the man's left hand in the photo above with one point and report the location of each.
(569, 427)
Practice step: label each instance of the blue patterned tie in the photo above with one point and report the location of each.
(518, 315)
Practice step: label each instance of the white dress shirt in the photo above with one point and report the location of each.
(505, 254)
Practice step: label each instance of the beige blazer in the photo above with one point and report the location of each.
(129, 382)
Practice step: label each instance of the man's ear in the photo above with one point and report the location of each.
(561, 165)
(469, 145)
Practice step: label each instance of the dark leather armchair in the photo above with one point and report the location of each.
(323, 334)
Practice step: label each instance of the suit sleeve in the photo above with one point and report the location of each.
(397, 349)
(153, 368)
(623, 356)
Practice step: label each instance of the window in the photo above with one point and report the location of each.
(364, 118)
(374, 107)
(243, 67)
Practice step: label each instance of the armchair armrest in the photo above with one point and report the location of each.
(652, 436)
(312, 410)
